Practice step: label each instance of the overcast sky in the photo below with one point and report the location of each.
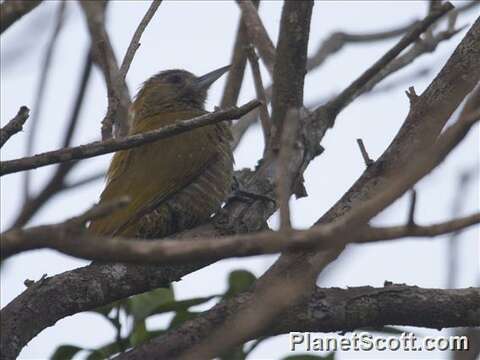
(198, 36)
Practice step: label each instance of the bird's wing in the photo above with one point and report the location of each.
(150, 174)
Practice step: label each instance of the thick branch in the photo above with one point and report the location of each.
(13, 10)
(80, 244)
(290, 63)
(335, 309)
(371, 193)
(101, 284)
(104, 147)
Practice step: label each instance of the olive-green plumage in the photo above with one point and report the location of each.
(175, 183)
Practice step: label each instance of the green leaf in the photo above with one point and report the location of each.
(139, 334)
(239, 281)
(105, 310)
(181, 305)
(108, 350)
(143, 305)
(65, 352)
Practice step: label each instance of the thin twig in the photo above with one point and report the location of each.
(368, 161)
(411, 209)
(257, 33)
(260, 91)
(84, 181)
(135, 42)
(14, 126)
(56, 182)
(40, 92)
(337, 104)
(116, 118)
(237, 66)
(104, 147)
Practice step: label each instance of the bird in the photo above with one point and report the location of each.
(172, 184)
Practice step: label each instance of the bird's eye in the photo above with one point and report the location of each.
(175, 79)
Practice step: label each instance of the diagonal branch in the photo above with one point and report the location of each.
(331, 310)
(257, 33)
(102, 284)
(55, 184)
(104, 147)
(14, 126)
(135, 42)
(102, 52)
(237, 67)
(13, 10)
(370, 193)
(40, 92)
(337, 104)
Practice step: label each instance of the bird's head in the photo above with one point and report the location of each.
(174, 90)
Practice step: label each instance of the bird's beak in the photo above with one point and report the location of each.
(203, 82)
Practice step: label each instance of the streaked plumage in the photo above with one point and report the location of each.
(174, 183)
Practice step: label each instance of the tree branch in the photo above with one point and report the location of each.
(370, 193)
(82, 244)
(104, 147)
(13, 10)
(257, 33)
(290, 63)
(135, 42)
(237, 67)
(337, 104)
(14, 126)
(101, 284)
(56, 182)
(335, 309)
(40, 92)
(102, 51)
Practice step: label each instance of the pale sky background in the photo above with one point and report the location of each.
(198, 36)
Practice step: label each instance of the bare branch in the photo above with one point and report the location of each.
(364, 153)
(56, 182)
(84, 181)
(104, 147)
(284, 176)
(237, 67)
(135, 42)
(411, 210)
(13, 10)
(40, 93)
(332, 310)
(14, 126)
(102, 51)
(257, 33)
(346, 96)
(114, 281)
(290, 63)
(260, 91)
(240, 127)
(84, 245)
